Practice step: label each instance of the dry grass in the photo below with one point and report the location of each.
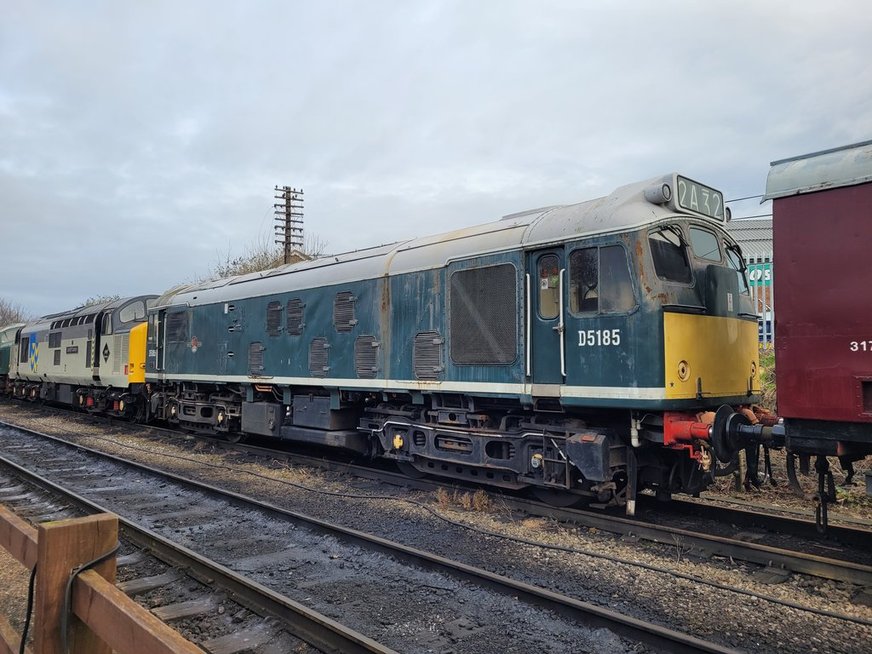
(767, 377)
(478, 501)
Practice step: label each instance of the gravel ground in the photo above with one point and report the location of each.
(13, 589)
(851, 500)
(745, 621)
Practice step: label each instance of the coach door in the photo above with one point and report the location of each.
(156, 326)
(545, 288)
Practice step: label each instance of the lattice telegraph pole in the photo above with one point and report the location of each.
(289, 216)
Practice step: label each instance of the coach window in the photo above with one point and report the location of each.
(669, 252)
(599, 281)
(704, 244)
(549, 287)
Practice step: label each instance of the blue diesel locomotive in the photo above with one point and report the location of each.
(575, 350)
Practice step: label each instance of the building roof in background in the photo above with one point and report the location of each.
(754, 236)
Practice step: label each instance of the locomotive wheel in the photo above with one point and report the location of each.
(233, 436)
(556, 498)
(410, 470)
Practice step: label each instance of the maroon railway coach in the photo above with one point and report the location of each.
(822, 230)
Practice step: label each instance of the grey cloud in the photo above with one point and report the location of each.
(149, 136)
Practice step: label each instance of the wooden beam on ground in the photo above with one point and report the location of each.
(122, 623)
(62, 546)
(18, 538)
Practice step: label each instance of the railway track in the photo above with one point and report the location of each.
(819, 558)
(194, 588)
(288, 554)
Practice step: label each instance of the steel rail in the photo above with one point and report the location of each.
(803, 563)
(315, 628)
(654, 635)
(766, 555)
(800, 562)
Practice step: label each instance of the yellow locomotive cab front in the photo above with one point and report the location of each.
(711, 356)
(136, 354)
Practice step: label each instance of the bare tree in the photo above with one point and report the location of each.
(262, 254)
(99, 299)
(314, 246)
(11, 312)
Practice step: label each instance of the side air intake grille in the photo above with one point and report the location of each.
(255, 359)
(274, 318)
(295, 317)
(318, 357)
(483, 305)
(427, 355)
(366, 357)
(343, 312)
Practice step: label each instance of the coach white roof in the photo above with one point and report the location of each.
(844, 166)
(622, 210)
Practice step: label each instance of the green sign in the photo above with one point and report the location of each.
(760, 274)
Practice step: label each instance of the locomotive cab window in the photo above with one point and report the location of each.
(669, 252)
(549, 287)
(704, 244)
(737, 263)
(177, 327)
(107, 324)
(599, 281)
(133, 311)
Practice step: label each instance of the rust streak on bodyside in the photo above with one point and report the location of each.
(384, 321)
(384, 318)
(639, 249)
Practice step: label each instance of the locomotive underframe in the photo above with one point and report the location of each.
(500, 443)
(128, 402)
(497, 442)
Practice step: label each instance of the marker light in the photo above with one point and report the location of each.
(659, 194)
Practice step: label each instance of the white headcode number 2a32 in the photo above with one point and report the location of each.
(594, 337)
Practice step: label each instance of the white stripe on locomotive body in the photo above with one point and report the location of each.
(483, 388)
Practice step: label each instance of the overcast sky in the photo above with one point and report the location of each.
(140, 141)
